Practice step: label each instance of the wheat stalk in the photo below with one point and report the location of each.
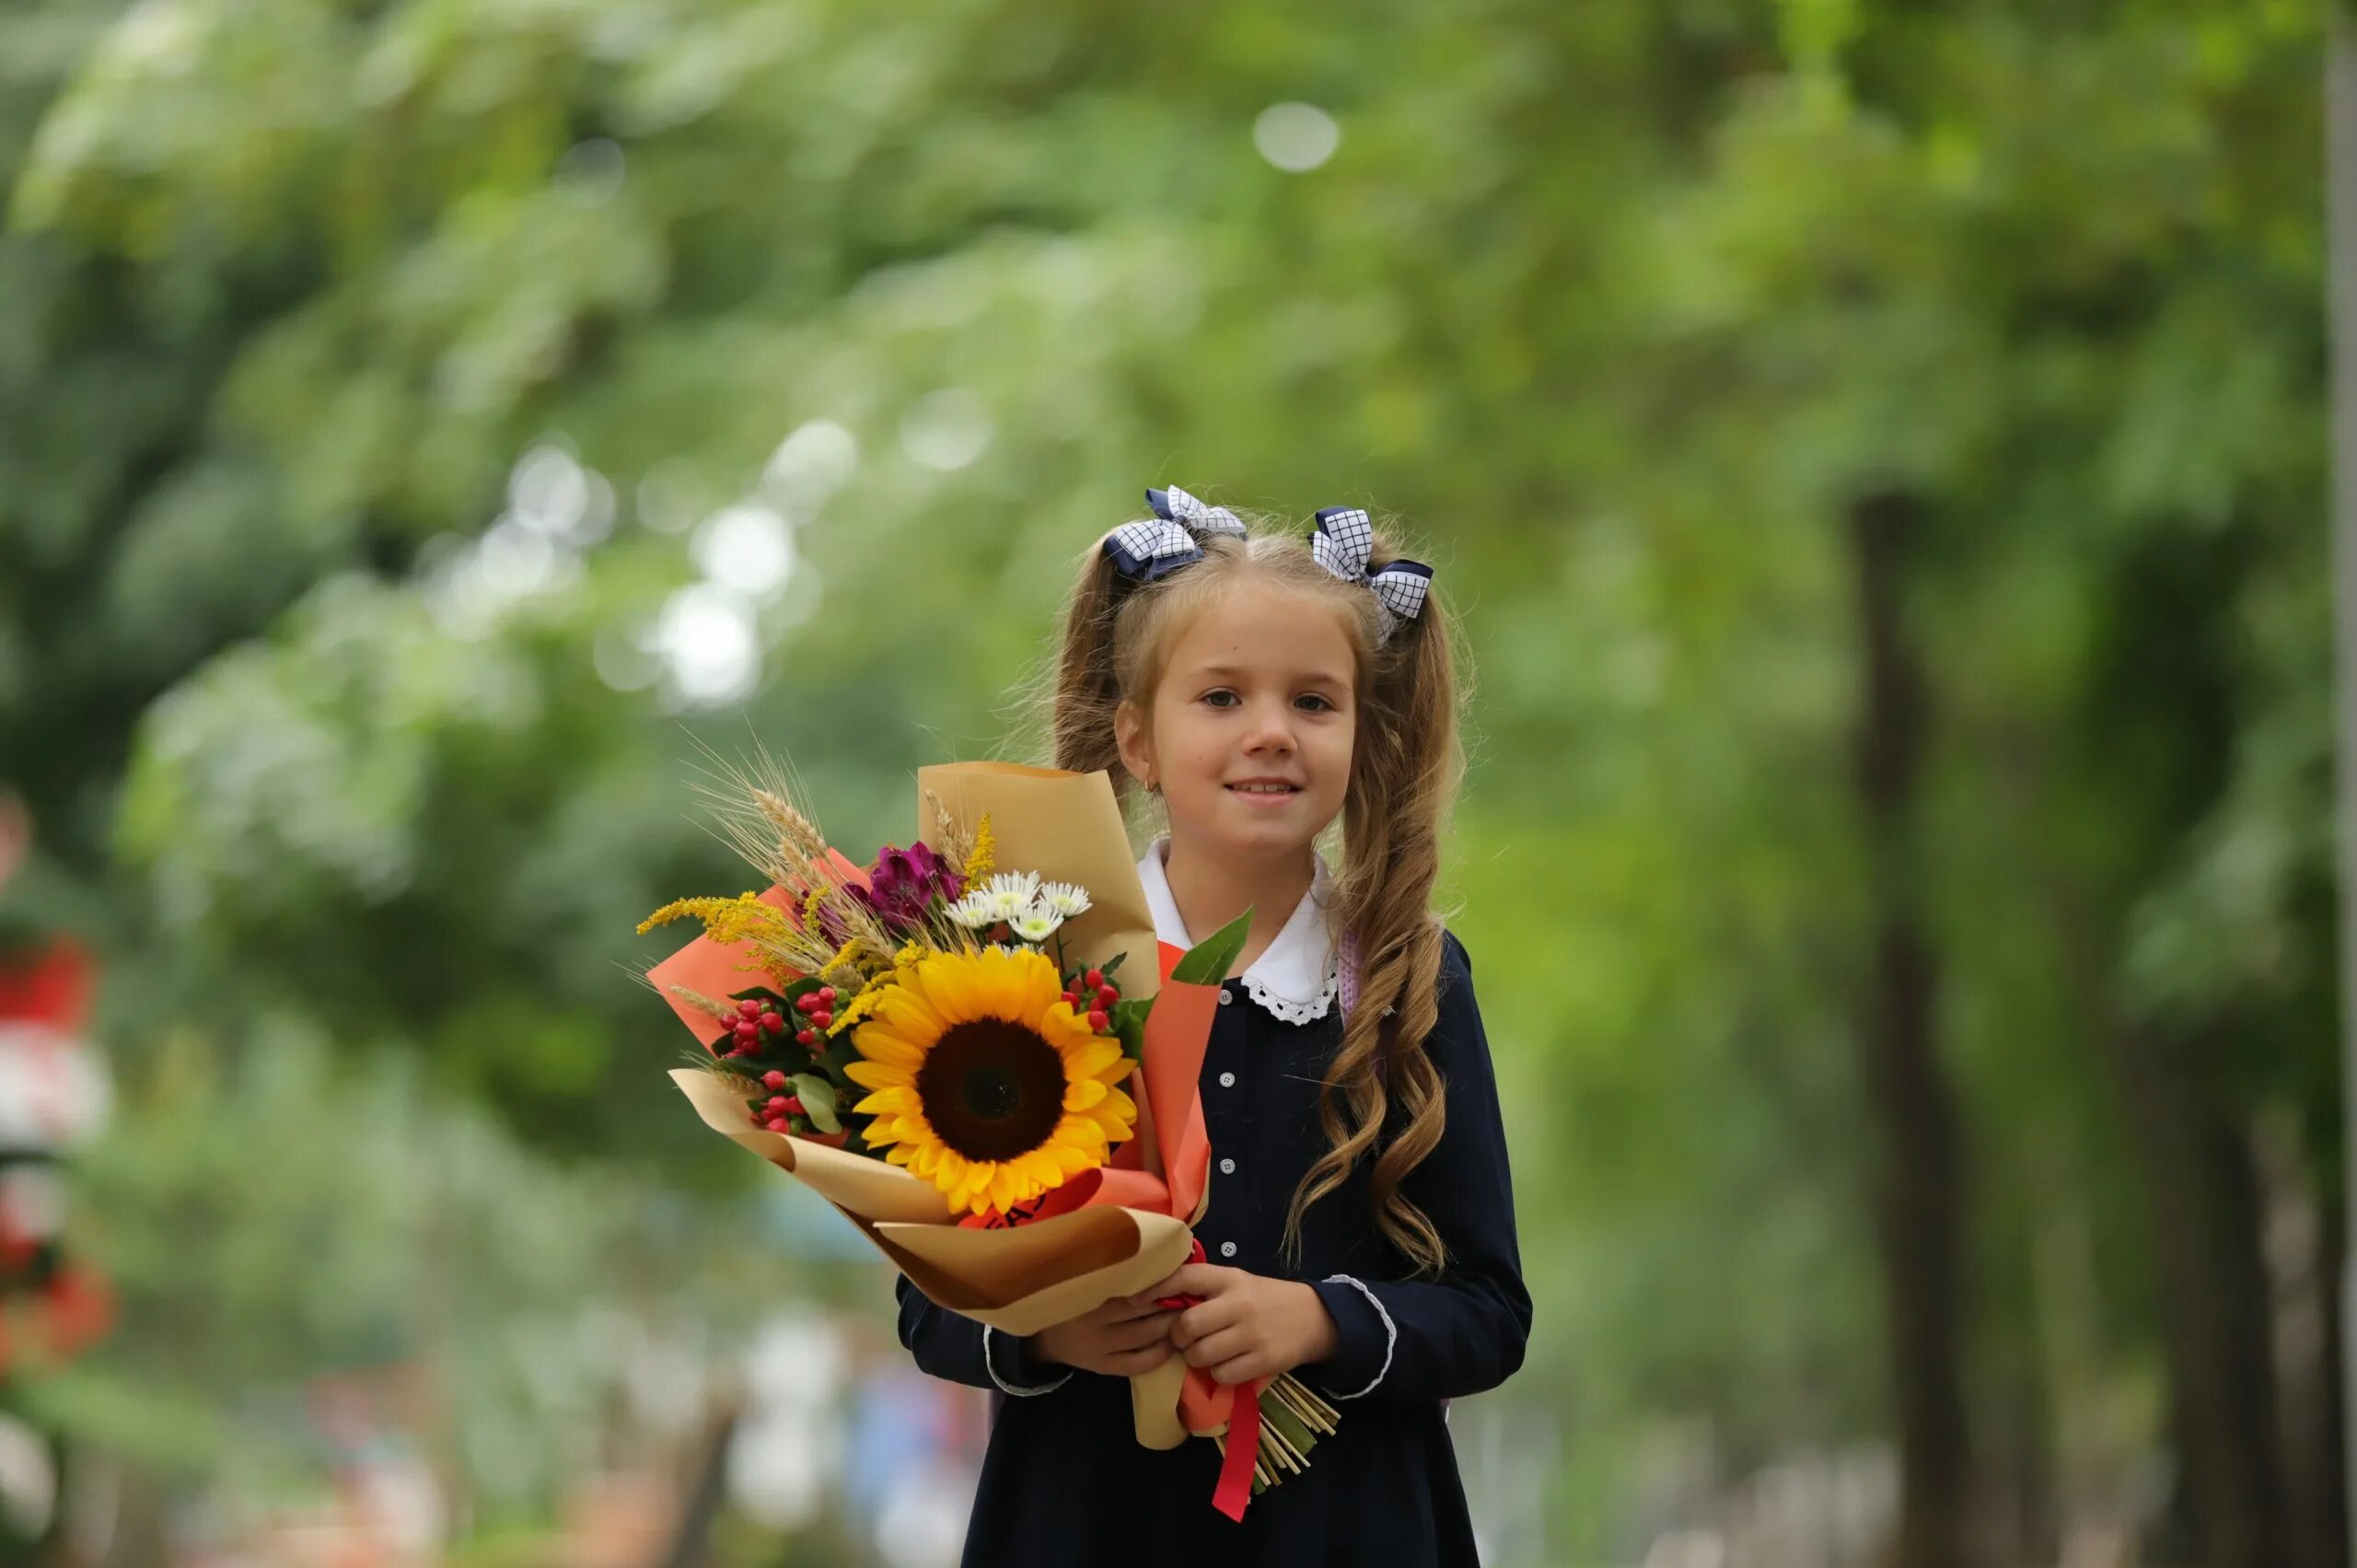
(957, 841)
(800, 835)
(724, 1011)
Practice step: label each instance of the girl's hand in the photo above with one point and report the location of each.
(1248, 1328)
(1126, 1336)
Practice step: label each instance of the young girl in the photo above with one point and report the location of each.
(1361, 1230)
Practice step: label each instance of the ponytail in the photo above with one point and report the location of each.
(1404, 774)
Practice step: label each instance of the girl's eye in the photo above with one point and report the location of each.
(1221, 697)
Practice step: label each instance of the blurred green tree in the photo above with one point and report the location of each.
(427, 422)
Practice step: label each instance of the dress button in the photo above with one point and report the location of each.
(1227, 1167)
(1228, 1080)
(1225, 996)
(1227, 1249)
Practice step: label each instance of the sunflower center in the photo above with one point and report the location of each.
(992, 1090)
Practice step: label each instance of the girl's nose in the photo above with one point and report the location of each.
(1271, 729)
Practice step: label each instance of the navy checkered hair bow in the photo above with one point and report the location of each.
(1343, 542)
(1146, 551)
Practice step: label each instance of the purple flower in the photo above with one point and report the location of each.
(903, 882)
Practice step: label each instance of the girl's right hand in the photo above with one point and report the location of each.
(1126, 1337)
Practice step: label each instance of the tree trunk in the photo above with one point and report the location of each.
(1919, 1191)
(2216, 1314)
(2301, 1242)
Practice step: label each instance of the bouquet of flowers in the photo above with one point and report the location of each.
(977, 1050)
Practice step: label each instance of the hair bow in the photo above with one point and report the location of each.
(1344, 541)
(1172, 538)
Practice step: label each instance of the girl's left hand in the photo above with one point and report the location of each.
(1247, 1328)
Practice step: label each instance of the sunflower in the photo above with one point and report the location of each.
(986, 1082)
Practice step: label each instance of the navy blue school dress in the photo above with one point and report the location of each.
(1065, 1481)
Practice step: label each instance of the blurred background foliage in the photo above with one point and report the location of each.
(1876, 451)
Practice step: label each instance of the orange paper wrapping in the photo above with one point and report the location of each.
(715, 969)
(1107, 1232)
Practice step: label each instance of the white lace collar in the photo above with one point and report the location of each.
(1294, 980)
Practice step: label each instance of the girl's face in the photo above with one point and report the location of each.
(1252, 724)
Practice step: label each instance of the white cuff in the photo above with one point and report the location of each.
(1005, 1386)
(1390, 1331)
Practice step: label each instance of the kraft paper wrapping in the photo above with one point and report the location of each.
(1067, 828)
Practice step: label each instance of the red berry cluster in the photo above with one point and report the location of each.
(760, 1026)
(819, 1007)
(777, 1113)
(759, 1023)
(1094, 993)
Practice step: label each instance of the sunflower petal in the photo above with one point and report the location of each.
(1091, 1061)
(1065, 1028)
(1040, 1166)
(907, 1013)
(947, 988)
(873, 1075)
(884, 1045)
(1083, 1130)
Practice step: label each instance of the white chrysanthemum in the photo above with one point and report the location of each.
(1036, 925)
(1011, 892)
(1068, 899)
(976, 910)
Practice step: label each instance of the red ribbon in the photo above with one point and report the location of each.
(1243, 1448)
(1234, 1488)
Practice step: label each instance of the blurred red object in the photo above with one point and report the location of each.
(50, 985)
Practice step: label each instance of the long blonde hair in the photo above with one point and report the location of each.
(1406, 764)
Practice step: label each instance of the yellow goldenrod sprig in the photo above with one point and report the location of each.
(984, 860)
(742, 918)
(910, 954)
(861, 1005)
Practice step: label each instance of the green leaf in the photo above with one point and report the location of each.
(835, 1052)
(1128, 1022)
(1207, 962)
(818, 1097)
